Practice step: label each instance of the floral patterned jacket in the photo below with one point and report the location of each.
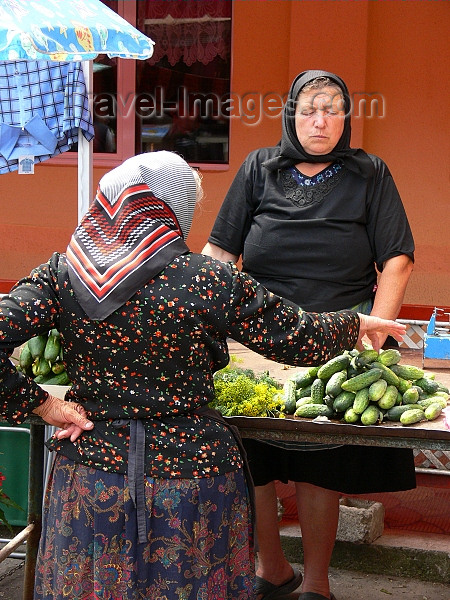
(153, 359)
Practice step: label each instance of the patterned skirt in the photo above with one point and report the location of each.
(199, 544)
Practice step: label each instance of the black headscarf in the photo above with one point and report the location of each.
(292, 152)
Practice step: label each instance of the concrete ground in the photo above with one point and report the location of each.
(346, 585)
(354, 585)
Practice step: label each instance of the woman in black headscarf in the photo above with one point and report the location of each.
(323, 225)
(149, 497)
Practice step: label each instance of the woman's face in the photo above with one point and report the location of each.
(319, 119)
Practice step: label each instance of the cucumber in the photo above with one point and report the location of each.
(429, 386)
(389, 398)
(305, 378)
(52, 348)
(361, 401)
(371, 415)
(350, 416)
(389, 357)
(408, 372)
(361, 381)
(352, 369)
(41, 366)
(338, 363)
(343, 401)
(411, 396)
(333, 386)
(25, 357)
(311, 411)
(394, 413)
(424, 396)
(377, 389)
(302, 392)
(424, 403)
(302, 401)
(37, 345)
(433, 411)
(442, 394)
(289, 398)
(411, 416)
(58, 367)
(317, 391)
(403, 385)
(388, 374)
(366, 357)
(328, 400)
(443, 388)
(43, 378)
(61, 379)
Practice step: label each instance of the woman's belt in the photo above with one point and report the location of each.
(136, 471)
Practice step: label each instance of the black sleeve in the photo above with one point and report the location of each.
(280, 330)
(31, 308)
(233, 220)
(250, 187)
(387, 227)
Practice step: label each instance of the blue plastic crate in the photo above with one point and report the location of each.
(436, 342)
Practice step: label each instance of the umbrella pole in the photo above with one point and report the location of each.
(85, 149)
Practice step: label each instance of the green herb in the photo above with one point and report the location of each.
(240, 391)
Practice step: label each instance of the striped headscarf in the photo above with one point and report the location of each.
(136, 225)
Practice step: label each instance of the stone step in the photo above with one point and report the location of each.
(407, 554)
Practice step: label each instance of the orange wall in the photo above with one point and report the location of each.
(37, 215)
(408, 54)
(398, 49)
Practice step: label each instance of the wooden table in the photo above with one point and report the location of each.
(428, 435)
(431, 435)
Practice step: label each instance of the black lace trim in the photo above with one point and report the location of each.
(302, 195)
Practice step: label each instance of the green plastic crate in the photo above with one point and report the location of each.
(15, 464)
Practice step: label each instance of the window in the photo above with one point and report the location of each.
(182, 91)
(105, 88)
(178, 99)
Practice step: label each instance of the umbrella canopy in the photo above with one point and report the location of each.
(67, 30)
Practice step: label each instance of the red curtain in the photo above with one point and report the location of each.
(189, 31)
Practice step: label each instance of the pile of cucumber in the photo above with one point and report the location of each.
(41, 359)
(365, 388)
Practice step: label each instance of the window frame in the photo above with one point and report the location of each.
(125, 142)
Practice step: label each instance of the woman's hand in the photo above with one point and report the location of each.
(69, 416)
(375, 329)
(391, 288)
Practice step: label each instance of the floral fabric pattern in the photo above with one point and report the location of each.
(198, 539)
(153, 359)
(151, 363)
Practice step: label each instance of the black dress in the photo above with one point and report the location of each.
(316, 241)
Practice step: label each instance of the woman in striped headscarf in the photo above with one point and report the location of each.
(148, 495)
